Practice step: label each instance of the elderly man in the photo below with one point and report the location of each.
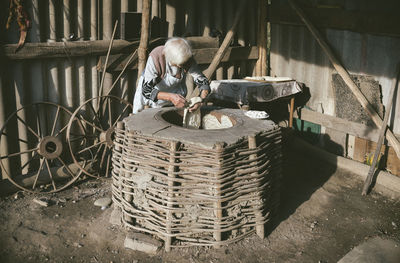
(163, 81)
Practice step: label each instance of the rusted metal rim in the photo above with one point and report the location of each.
(50, 147)
(37, 133)
(94, 143)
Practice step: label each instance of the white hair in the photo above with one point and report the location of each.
(177, 51)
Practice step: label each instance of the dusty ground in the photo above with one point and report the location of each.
(322, 217)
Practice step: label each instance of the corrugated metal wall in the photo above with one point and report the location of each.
(70, 81)
(295, 53)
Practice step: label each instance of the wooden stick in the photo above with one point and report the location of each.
(108, 55)
(218, 210)
(346, 77)
(171, 171)
(134, 55)
(291, 110)
(227, 40)
(144, 36)
(259, 217)
(371, 171)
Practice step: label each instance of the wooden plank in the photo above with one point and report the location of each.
(364, 149)
(365, 137)
(65, 49)
(364, 22)
(89, 48)
(202, 56)
(353, 128)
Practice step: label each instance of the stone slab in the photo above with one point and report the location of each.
(149, 122)
(142, 242)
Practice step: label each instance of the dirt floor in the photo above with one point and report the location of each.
(322, 217)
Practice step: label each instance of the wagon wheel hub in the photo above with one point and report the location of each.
(108, 136)
(50, 147)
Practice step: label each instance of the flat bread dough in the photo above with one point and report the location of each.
(192, 119)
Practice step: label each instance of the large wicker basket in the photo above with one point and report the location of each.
(196, 187)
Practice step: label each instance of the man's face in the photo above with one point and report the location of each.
(185, 66)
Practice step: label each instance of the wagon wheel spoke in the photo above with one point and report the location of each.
(61, 130)
(19, 139)
(90, 147)
(39, 127)
(103, 156)
(120, 116)
(78, 137)
(66, 167)
(108, 164)
(18, 153)
(96, 114)
(55, 121)
(50, 174)
(28, 127)
(109, 112)
(96, 155)
(38, 173)
(92, 125)
(29, 161)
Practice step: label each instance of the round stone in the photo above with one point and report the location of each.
(103, 202)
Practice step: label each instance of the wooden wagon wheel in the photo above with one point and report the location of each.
(35, 156)
(94, 143)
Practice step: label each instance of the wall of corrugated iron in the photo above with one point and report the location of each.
(70, 81)
(295, 53)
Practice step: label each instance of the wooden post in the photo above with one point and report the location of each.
(291, 109)
(218, 209)
(144, 36)
(259, 216)
(261, 65)
(346, 77)
(371, 171)
(171, 176)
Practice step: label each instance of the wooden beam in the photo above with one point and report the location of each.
(378, 23)
(346, 76)
(65, 49)
(144, 36)
(202, 56)
(205, 55)
(382, 131)
(89, 48)
(339, 124)
(261, 65)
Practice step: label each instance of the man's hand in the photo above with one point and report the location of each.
(178, 100)
(195, 103)
(195, 106)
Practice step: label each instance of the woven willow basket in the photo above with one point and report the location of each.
(196, 187)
